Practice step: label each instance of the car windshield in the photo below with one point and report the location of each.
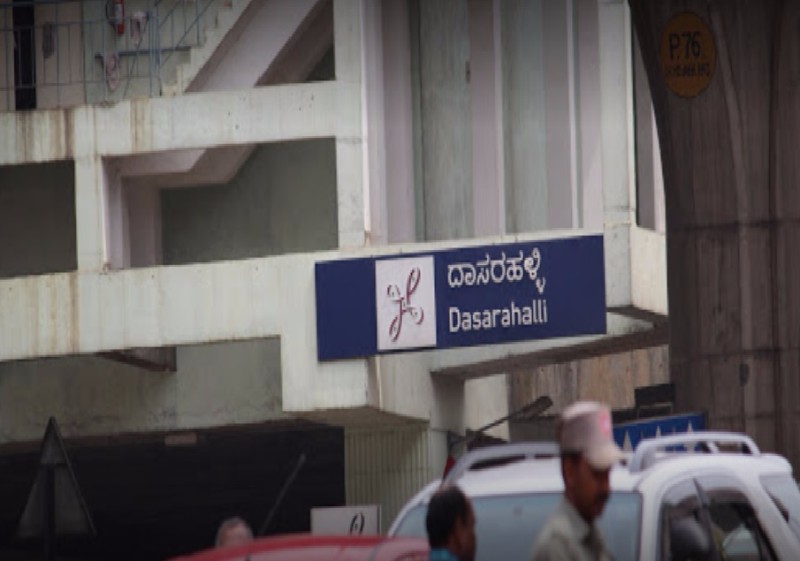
(507, 525)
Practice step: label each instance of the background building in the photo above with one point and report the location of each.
(165, 194)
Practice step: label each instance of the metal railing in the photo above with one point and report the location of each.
(190, 35)
(57, 53)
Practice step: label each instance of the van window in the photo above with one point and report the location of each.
(734, 525)
(737, 533)
(507, 525)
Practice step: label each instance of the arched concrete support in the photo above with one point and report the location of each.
(730, 174)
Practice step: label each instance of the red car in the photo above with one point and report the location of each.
(304, 547)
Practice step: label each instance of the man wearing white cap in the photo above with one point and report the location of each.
(588, 452)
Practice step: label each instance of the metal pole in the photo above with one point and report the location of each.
(265, 526)
(533, 409)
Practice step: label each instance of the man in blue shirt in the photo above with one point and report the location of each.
(450, 523)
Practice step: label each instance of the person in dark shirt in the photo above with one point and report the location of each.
(450, 523)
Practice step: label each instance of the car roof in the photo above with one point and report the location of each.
(743, 467)
(543, 475)
(531, 476)
(306, 547)
(537, 475)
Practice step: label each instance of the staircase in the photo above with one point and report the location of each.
(252, 43)
(176, 78)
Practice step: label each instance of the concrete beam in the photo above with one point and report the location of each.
(96, 311)
(92, 312)
(271, 43)
(624, 334)
(290, 112)
(256, 41)
(636, 270)
(89, 312)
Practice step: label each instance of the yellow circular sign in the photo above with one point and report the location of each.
(687, 54)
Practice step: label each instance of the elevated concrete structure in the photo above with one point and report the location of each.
(443, 124)
(103, 307)
(730, 179)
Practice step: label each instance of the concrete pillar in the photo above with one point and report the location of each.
(591, 107)
(616, 102)
(373, 88)
(487, 119)
(730, 174)
(399, 168)
(525, 116)
(561, 116)
(649, 177)
(116, 218)
(144, 226)
(352, 187)
(446, 119)
(90, 213)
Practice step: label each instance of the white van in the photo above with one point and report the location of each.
(703, 495)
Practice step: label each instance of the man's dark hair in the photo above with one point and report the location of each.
(446, 506)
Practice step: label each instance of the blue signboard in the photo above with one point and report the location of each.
(460, 297)
(628, 435)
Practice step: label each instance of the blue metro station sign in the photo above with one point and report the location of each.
(460, 297)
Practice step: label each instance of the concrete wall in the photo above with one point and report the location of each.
(37, 219)
(282, 200)
(406, 388)
(388, 465)
(611, 379)
(485, 400)
(215, 385)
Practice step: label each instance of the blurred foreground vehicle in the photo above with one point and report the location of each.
(304, 547)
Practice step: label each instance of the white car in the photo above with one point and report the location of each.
(703, 495)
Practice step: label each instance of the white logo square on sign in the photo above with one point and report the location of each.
(405, 301)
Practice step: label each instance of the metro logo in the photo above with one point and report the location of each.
(405, 302)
